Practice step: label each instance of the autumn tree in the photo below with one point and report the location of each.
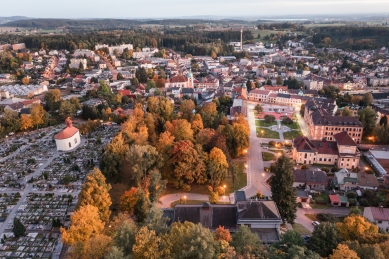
(128, 200)
(141, 207)
(155, 220)
(37, 113)
(347, 112)
(96, 247)
(188, 167)
(160, 106)
(343, 252)
(156, 186)
(355, 226)
(186, 108)
(25, 80)
(209, 114)
(85, 223)
(324, 239)
(95, 192)
(283, 193)
(367, 99)
(222, 234)
(26, 122)
(180, 129)
(104, 88)
(258, 108)
(365, 251)
(197, 124)
(217, 167)
(237, 139)
(147, 245)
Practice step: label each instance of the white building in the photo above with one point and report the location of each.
(75, 63)
(378, 216)
(69, 138)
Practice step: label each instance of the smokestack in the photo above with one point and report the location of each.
(241, 39)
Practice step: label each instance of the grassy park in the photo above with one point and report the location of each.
(266, 133)
(263, 123)
(292, 134)
(266, 156)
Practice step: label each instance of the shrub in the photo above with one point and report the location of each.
(325, 169)
(363, 202)
(186, 187)
(352, 202)
(272, 143)
(287, 120)
(304, 167)
(269, 118)
(325, 217)
(352, 195)
(280, 144)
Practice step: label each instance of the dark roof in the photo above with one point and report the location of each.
(303, 144)
(239, 196)
(187, 90)
(257, 210)
(326, 147)
(322, 117)
(310, 176)
(344, 139)
(189, 213)
(284, 95)
(224, 215)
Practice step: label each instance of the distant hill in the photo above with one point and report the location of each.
(78, 24)
(4, 20)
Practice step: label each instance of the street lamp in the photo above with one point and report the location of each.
(184, 199)
(262, 132)
(224, 189)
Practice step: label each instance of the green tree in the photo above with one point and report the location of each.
(269, 82)
(209, 114)
(367, 117)
(141, 161)
(381, 133)
(292, 237)
(120, 76)
(155, 221)
(367, 99)
(156, 186)
(115, 253)
(324, 239)
(258, 108)
(125, 237)
(283, 193)
(187, 240)
(160, 106)
(10, 121)
(141, 75)
(384, 120)
(112, 160)
(246, 243)
(52, 99)
(66, 109)
(142, 206)
(302, 110)
(104, 88)
(18, 228)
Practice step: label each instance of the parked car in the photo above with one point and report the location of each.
(315, 223)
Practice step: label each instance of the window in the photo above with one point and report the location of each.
(325, 159)
(70, 144)
(379, 221)
(329, 159)
(319, 159)
(75, 141)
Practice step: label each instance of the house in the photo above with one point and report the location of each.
(339, 200)
(378, 216)
(367, 181)
(345, 180)
(179, 81)
(261, 216)
(77, 62)
(310, 179)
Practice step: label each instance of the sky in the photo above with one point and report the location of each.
(181, 8)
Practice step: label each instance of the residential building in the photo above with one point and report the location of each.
(179, 81)
(77, 62)
(345, 180)
(342, 152)
(378, 216)
(310, 179)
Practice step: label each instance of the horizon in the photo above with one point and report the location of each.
(169, 9)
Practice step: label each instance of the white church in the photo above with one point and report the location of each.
(68, 138)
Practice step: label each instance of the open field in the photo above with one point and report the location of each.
(263, 123)
(301, 229)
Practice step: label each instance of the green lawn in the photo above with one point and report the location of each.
(294, 125)
(292, 134)
(267, 133)
(311, 217)
(263, 123)
(276, 150)
(322, 197)
(301, 229)
(266, 156)
(240, 182)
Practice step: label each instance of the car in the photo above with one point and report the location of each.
(315, 223)
(265, 148)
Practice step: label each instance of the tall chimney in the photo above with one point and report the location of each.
(241, 39)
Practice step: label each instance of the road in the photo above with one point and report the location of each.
(111, 68)
(302, 124)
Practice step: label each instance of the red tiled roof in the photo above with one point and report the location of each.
(344, 139)
(380, 213)
(334, 198)
(177, 79)
(66, 133)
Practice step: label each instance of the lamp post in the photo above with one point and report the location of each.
(262, 132)
(184, 199)
(224, 189)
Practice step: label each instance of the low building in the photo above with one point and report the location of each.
(345, 180)
(378, 216)
(77, 63)
(261, 216)
(310, 179)
(68, 138)
(339, 200)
